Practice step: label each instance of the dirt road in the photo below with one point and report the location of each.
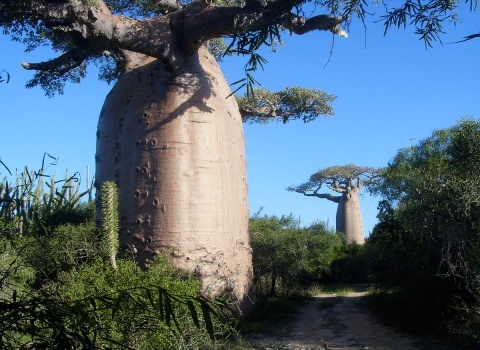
(334, 322)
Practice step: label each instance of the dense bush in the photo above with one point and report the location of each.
(97, 307)
(59, 288)
(350, 264)
(427, 243)
(130, 302)
(287, 258)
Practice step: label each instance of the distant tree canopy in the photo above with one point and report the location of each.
(340, 179)
(289, 104)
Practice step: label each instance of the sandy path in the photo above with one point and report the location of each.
(334, 322)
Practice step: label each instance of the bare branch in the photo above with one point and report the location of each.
(300, 25)
(212, 22)
(328, 196)
(307, 190)
(63, 63)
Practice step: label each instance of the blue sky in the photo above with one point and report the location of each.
(391, 93)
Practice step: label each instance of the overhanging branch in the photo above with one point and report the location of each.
(328, 196)
(61, 64)
(300, 25)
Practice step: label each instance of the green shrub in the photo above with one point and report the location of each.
(427, 243)
(15, 276)
(95, 306)
(287, 258)
(57, 290)
(349, 265)
(67, 247)
(141, 297)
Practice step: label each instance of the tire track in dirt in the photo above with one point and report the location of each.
(333, 322)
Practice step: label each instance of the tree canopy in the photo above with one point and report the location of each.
(108, 32)
(338, 178)
(289, 104)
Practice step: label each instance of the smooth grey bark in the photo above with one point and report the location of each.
(175, 146)
(348, 219)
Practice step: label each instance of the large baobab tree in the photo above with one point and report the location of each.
(348, 181)
(167, 134)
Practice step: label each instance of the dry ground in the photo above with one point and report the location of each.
(333, 322)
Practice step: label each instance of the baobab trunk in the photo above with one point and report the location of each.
(349, 217)
(174, 144)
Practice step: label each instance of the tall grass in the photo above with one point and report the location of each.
(33, 197)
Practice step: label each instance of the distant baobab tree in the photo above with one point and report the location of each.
(347, 180)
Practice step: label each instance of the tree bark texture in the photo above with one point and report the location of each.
(349, 217)
(174, 144)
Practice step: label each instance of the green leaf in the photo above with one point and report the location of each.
(168, 310)
(160, 304)
(117, 304)
(206, 310)
(93, 303)
(150, 298)
(193, 312)
(240, 87)
(6, 167)
(2, 79)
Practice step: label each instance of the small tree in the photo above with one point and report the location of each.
(348, 181)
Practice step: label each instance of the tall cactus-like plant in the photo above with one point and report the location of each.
(110, 222)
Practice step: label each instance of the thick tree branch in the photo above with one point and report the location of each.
(300, 25)
(306, 190)
(61, 64)
(101, 30)
(259, 112)
(206, 23)
(338, 189)
(173, 37)
(328, 196)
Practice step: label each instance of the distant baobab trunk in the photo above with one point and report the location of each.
(349, 218)
(346, 180)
